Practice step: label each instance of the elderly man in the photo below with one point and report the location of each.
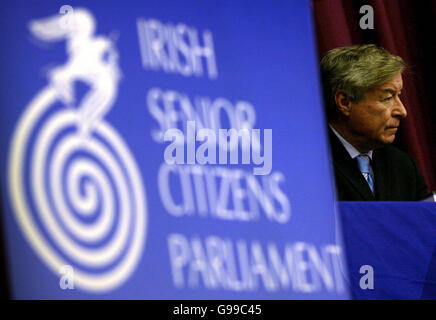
(362, 87)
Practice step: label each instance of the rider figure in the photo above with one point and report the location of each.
(93, 60)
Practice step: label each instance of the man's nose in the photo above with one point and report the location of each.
(399, 109)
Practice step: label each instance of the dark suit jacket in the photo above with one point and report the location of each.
(396, 175)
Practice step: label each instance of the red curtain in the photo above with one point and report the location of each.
(406, 28)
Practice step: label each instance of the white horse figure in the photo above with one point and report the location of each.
(91, 59)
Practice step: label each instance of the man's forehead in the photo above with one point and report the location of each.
(394, 84)
(389, 90)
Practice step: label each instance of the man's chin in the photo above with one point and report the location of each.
(387, 140)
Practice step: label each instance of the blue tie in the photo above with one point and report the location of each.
(364, 166)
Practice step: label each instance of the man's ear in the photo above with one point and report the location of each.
(343, 103)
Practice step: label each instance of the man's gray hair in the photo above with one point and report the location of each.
(354, 70)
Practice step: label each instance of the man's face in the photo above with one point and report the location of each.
(374, 120)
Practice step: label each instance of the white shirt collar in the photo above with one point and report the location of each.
(348, 146)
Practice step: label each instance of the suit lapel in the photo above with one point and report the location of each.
(381, 175)
(348, 169)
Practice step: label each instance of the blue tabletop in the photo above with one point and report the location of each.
(396, 243)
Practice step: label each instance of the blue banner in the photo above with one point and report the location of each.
(165, 150)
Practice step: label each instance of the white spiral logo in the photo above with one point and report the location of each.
(79, 201)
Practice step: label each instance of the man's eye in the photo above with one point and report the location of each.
(388, 98)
